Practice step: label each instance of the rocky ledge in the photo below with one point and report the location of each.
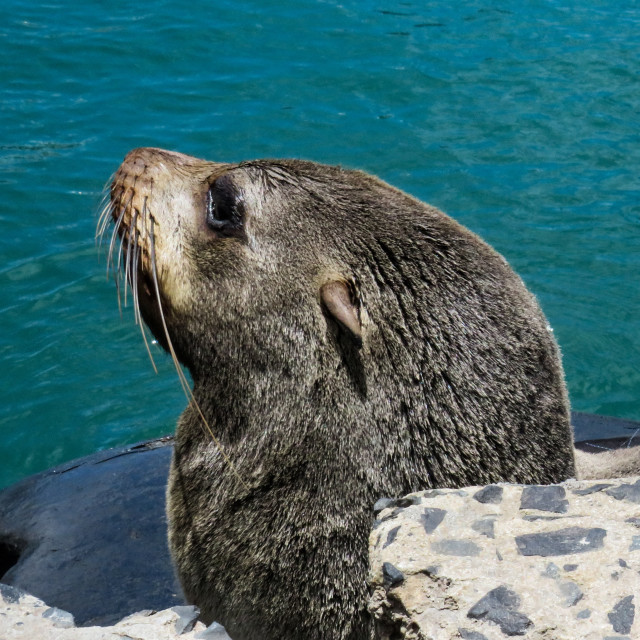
(557, 562)
(24, 617)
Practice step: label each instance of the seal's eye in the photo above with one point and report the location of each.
(225, 210)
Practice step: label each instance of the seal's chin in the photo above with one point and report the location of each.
(151, 308)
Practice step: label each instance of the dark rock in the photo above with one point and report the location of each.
(551, 571)
(633, 521)
(500, 606)
(93, 535)
(589, 429)
(403, 503)
(630, 492)
(635, 543)
(396, 504)
(622, 615)
(491, 494)
(434, 493)
(456, 548)
(584, 614)
(390, 516)
(466, 634)
(560, 543)
(431, 518)
(391, 536)
(570, 567)
(188, 618)
(592, 489)
(391, 575)
(61, 619)
(544, 499)
(485, 526)
(623, 563)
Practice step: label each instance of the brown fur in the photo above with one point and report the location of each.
(436, 369)
(600, 464)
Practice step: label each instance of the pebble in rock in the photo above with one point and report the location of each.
(500, 606)
(188, 616)
(60, 618)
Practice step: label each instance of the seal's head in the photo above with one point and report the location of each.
(346, 342)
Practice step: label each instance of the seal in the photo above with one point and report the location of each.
(346, 342)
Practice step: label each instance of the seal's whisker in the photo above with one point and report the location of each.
(105, 207)
(106, 200)
(103, 219)
(114, 235)
(183, 381)
(136, 297)
(133, 275)
(116, 230)
(148, 348)
(131, 263)
(119, 277)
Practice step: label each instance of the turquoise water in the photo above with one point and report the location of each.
(519, 119)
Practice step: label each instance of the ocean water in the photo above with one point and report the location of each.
(521, 120)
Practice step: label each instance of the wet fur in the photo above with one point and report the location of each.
(455, 380)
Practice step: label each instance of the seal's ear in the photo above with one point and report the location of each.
(338, 298)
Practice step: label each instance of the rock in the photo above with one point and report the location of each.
(626, 492)
(28, 618)
(561, 542)
(391, 575)
(59, 618)
(11, 595)
(500, 606)
(188, 616)
(559, 562)
(491, 494)
(89, 536)
(623, 615)
(544, 499)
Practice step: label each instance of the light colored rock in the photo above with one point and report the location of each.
(23, 617)
(539, 563)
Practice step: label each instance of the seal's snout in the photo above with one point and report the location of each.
(153, 158)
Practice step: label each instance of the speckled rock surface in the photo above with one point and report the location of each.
(488, 563)
(24, 617)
